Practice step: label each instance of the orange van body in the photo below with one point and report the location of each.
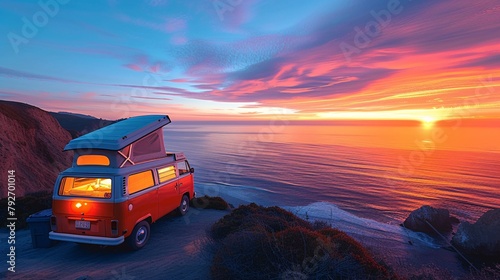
(112, 219)
(109, 196)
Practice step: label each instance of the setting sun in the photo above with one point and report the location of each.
(428, 122)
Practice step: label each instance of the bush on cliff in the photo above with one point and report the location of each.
(255, 242)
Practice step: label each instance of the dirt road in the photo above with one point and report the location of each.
(176, 250)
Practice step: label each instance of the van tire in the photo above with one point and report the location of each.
(139, 236)
(184, 207)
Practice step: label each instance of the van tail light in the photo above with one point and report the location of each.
(53, 223)
(114, 227)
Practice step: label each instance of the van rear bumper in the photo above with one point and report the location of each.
(86, 239)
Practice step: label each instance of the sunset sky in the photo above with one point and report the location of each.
(251, 59)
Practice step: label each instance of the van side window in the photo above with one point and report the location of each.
(140, 181)
(183, 167)
(166, 173)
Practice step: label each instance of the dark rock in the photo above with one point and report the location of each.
(209, 202)
(481, 238)
(454, 220)
(439, 218)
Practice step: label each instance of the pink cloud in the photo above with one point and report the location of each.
(233, 14)
(134, 67)
(179, 40)
(89, 95)
(178, 80)
(154, 68)
(142, 63)
(175, 24)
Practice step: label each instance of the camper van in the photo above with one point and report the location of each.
(121, 181)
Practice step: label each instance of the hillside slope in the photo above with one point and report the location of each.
(32, 144)
(78, 124)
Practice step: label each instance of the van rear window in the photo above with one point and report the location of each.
(85, 187)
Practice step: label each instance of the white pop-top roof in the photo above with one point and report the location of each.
(119, 135)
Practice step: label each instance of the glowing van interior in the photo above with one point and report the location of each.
(85, 187)
(93, 160)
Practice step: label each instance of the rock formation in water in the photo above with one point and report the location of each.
(481, 238)
(419, 220)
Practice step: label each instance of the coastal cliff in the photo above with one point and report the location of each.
(31, 144)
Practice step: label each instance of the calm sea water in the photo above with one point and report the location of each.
(379, 173)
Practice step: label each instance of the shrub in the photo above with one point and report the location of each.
(272, 219)
(298, 243)
(317, 225)
(208, 202)
(348, 247)
(255, 242)
(244, 255)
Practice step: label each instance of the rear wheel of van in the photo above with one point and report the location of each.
(139, 236)
(184, 207)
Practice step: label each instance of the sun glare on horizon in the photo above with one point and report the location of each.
(428, 122)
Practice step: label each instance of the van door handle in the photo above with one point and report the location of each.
(180, 184)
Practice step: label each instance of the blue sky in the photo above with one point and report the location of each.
(233, 59)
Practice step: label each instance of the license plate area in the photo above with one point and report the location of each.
(82, 224)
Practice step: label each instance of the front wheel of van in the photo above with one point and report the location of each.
(184, 207)
(139, 236)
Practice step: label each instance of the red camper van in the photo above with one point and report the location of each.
(121, 181)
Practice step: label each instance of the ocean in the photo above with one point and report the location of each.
(376, 172)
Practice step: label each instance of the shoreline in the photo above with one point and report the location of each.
(400, 248)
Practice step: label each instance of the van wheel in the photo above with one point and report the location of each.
(139, 236)
(184, 207)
